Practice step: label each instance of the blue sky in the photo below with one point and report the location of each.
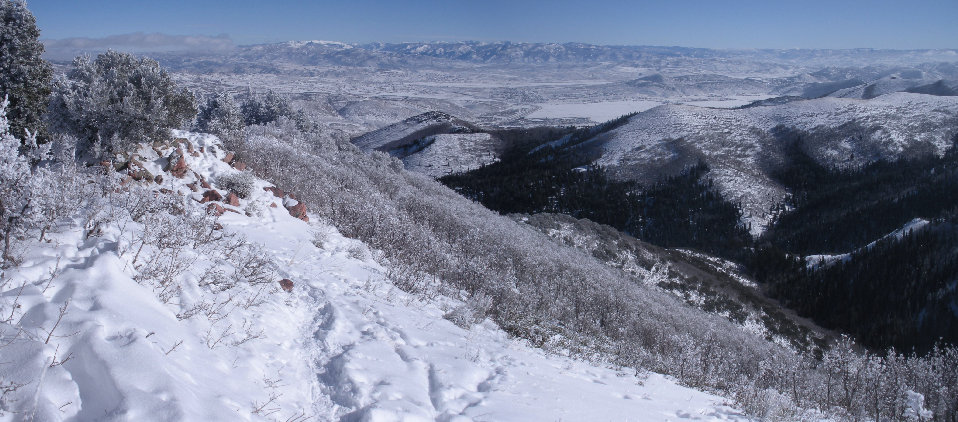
(692, 23)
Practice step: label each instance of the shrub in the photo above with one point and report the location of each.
(240, 183)
(220, 116)
(24, 76)
(117, 100)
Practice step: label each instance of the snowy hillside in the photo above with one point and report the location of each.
(412, 129)
(204, 294)
(740, 144)
(452, 153)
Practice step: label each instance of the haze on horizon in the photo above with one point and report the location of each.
(723, 24)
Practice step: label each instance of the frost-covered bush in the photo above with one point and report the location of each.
(434, 241)
(240, 183)
(116, 100)
(269, 108)
(35, 191)
(220, 116)
(24, 75)
(15, 186)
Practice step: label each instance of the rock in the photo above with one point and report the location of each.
(204, 183)
(217, 226)
(277, 192)
(192, 187)
(177, 164)
(299, 211)
(203, 150)
(166, 191)
(158, 179)
(138, 171)
(239, 165)
(215, 209)
(229, 158)
(273, 205)
(195, 154)
(286, 284)
(231, 199)
(211, 195)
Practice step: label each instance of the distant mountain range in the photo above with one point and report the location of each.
(273, 57)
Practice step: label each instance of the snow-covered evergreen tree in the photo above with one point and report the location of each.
(219, 115)
(270, 107)
(118, 99)
(24, 76)
(14, 184)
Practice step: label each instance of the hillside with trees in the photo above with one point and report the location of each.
(270, 270)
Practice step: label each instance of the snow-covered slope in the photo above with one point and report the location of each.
(91, 336)
(452, 153)
(412, 129)
(740, 144)
(824, 260)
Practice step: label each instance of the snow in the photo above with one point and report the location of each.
(453, 153)
(345, 344)
(597, 112)
(735, 141)
(826, 260)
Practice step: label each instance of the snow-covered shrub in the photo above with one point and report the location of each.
(240, 183)
(15, 185)
(117, 100)
(220, 116)
(268, 108)
(434, 241)
(24, 75)
(470, 313)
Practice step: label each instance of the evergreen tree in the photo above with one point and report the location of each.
(119, 99)
(219, 115)
(24, 76)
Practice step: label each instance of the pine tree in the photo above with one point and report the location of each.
(24, 75)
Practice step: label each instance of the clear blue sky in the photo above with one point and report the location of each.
(695, 23)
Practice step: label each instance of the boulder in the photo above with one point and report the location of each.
(177, 164)
(211, 195)
(215, 209)
(158, 179)
(286, 284)
(138, 171)
(298, 211)
(277, 192)
(192, 187)
(229, 157)
(231, 199)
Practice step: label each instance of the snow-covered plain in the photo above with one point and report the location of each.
(344, 344)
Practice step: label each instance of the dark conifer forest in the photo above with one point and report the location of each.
(887, 291)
